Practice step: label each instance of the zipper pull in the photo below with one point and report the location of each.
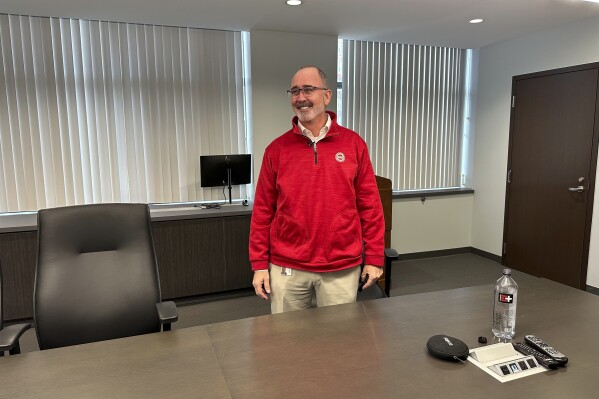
(313, 144)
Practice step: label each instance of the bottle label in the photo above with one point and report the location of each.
(506, 298)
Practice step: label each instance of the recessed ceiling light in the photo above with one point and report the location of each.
(592, 1)
(293, 2)
(478, 20)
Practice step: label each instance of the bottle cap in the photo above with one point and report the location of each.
(507, 271)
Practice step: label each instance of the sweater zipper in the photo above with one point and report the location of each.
(313, 145)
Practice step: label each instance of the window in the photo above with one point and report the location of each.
(407, 102)
(96, 112)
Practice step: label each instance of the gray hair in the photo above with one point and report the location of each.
(321, 73)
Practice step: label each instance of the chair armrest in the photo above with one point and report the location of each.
(390, 256)
(9, 337)
(167, 313)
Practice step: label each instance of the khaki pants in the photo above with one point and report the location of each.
(294, 292)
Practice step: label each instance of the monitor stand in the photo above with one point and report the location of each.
(229, 184)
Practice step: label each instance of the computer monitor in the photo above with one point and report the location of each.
(225, 170)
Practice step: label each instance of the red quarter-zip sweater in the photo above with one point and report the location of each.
(316, 203)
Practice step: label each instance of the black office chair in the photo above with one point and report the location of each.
(96, 276)
(375, 291)
(10, 334)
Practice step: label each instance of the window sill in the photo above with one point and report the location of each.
(12, 222)
(432, 193)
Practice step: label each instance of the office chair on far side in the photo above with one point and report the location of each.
(376, 291)
(96, 276)
(386, 193)
(10, 334)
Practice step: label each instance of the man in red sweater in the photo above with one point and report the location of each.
(317, 212)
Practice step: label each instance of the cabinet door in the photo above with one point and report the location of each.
(190, 256)
(18, 252)
(237, 259)
(202, 256)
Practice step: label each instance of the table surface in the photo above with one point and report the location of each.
(370, 349)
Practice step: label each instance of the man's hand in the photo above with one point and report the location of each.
(373, 273)
(261, 283)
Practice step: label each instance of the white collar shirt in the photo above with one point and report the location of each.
(323, 131)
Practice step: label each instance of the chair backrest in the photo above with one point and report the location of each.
(386, 193)
(96, 275)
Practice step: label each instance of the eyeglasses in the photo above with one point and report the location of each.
(307, 90)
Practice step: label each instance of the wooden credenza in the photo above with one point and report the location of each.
(196, 256)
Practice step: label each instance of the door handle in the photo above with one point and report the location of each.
(578, 189)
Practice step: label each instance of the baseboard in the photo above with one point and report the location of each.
(216, 296)
(434, 254)
(485, 254)
(592, 290)
(448, 252)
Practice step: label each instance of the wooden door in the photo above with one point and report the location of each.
(551, 173)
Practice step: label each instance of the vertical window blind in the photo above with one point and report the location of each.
(406, 101)
(96, 111)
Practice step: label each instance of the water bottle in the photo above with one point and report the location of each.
(504, 306)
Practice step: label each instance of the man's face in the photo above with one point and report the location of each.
(309, 107)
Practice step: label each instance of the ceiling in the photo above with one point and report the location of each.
(430, 22)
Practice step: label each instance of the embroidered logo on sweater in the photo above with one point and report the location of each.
(340, 157)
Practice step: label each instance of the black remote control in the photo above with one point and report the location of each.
(543, 359)
(544, 347)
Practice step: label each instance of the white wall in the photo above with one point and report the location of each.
(435, 224)
(554, 48)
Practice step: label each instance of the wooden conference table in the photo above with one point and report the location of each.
(371, 349)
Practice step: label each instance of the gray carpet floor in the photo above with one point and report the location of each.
(408, 277)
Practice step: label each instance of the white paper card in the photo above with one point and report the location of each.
(494, 352)
(490, 354)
